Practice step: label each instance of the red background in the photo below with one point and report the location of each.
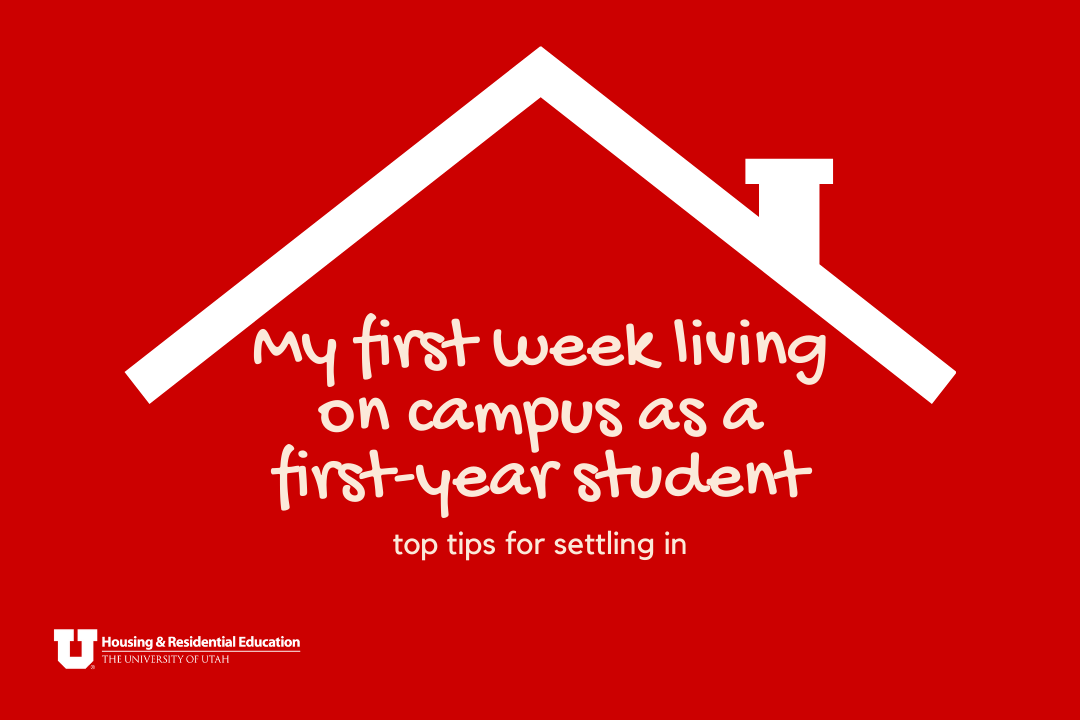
(153, 159)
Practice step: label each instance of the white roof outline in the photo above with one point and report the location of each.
(540, 75)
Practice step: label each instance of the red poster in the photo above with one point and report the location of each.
(540, 361)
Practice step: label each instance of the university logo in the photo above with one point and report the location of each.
(63, 640)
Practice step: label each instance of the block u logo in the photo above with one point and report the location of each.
(63, 640)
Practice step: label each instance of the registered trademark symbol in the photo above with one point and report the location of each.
(91, 667)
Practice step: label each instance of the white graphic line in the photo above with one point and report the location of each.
(203, 651)
(781, 240)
